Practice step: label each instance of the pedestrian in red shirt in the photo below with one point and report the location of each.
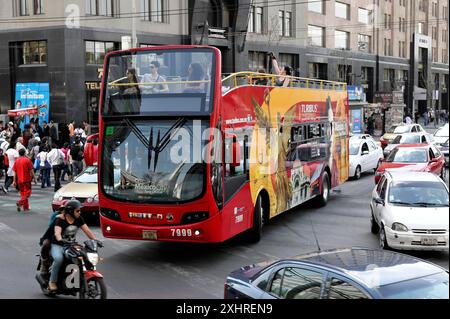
(24, 174)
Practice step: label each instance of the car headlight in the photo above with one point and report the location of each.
(96, 198)
(58, 196)
(89, 200)
(93, 258)
(399, 227)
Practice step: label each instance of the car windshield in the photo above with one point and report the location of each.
(88, 176)
(401, 129)
(418, 194)
(427, 287)
(177, 81)
(443, 132)
(354, 148)
(407, 139)
(391, 129)
(156, 159)
(408, 155)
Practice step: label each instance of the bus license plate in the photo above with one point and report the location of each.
(426, 241)
(149, 234)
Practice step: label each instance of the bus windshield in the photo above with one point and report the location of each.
(160, 81)
(157, 160)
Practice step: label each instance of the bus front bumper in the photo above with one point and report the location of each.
(207, 231)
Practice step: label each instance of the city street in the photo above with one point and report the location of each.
(136, 269)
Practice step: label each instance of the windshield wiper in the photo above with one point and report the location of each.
(162, 142)
(402, 203)
(426, 204)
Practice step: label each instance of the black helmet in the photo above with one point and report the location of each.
(71, 206)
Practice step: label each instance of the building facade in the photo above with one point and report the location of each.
(381, 45)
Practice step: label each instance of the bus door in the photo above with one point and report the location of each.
(238, 202)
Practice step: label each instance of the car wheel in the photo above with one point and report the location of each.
(374, 228)
(357, 172)
(255, 233)
(382, 238)
(322, 199)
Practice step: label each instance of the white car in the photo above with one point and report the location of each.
(410, 211)
(408, 138)
(365, 155)
(441, 135)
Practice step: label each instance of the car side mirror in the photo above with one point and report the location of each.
(434, 160)
(382, 160)
(379, 200)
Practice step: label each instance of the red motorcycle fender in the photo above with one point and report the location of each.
(92, 274)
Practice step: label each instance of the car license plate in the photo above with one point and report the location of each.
(428, 241)
(149, 234)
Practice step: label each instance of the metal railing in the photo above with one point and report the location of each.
(238, 79)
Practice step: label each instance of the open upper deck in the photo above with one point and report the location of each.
(239, 79)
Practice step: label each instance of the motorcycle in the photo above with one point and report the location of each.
(78, 273)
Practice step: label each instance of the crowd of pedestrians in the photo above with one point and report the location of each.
(37, 151)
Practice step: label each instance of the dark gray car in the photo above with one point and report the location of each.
(350, 273)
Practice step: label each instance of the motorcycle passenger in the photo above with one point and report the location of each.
(66, 228)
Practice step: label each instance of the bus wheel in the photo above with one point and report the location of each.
(322, 199)
(255, 233)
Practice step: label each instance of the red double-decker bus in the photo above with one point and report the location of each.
(187, 154)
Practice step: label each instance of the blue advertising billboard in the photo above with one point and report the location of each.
(34, 96)
(355, 93)
(356, 121)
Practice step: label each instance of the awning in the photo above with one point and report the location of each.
(23, 112)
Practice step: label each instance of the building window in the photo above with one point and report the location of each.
(251, 19)
(155, 10)
(344, 73)
(387, 47)
(96, 51)
(434, 54)
(364, 43)
(444, 56)
(341, 40)
(434, 9)
(284, 23)
(318, 71)
(444, 13)
(363, 16)
(444, 36)
(38, 6)
(290, 60)
(316, 36)
(108, 8)
(20, 8)
(288, 24)
(389, 75)
(387, 21)
(281, 22)
(401, 49)
(257, 60)
(258, 19)
(316, 6)
(422, 5)
(434, 33)
(420, 28)
(32, 52)
(342, 10)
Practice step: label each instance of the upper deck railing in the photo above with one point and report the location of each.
(253, 78)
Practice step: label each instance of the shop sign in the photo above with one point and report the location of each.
(92, 86)
(397, 97)
(383, 97)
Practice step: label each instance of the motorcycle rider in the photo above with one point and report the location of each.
(46, 240)
(66, 227)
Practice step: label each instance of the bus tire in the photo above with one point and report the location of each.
(322, 198)
(255, 233)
